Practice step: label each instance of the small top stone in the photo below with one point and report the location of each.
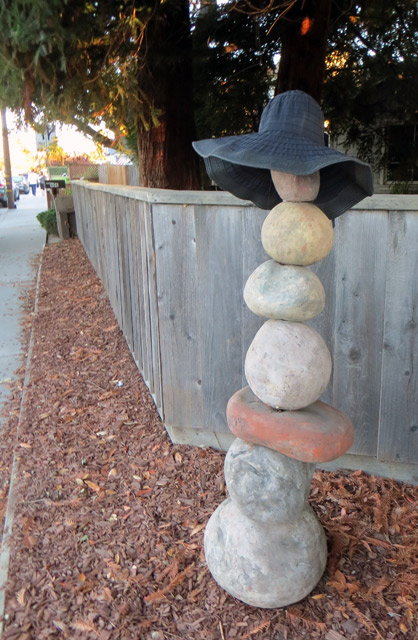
(293, 188)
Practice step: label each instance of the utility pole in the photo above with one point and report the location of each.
(6, 158)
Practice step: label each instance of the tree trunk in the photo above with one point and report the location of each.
(304, 44)
(166, 157)
(6, 158)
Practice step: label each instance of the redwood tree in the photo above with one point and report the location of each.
(304, 47)
(165, 77)
(124, 63)
(301, 29)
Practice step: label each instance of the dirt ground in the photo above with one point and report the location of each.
(109, 520)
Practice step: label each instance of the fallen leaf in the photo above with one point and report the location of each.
(60, 626)
(198, 528)
(379, 543)
(112, 328)
(264, 624)
(93, 486)
(84, 625)
(21, 596)
(159, 595)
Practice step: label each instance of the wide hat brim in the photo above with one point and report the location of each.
(241, 165)
(290, 140)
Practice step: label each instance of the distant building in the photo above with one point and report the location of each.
(398, 172)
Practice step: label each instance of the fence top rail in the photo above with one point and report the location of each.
(378, 202)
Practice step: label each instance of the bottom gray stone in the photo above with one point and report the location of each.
(265, 565)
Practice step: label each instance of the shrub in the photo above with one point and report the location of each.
(48, 221)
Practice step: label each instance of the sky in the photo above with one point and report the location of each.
(24, 140)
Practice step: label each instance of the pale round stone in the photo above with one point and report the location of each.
(288, 365)
(297, 233)
(267, 485)
(264, 565)
(296, 188)
(284, 292)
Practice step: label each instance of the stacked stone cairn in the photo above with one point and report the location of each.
(263, 544)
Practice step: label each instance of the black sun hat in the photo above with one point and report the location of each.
(290, 139)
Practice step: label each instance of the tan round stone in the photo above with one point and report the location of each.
(284, 292)
(296, 188)
(297, 233)
(288, 365)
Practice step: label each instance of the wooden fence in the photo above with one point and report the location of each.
(174, 265)
(119, 174)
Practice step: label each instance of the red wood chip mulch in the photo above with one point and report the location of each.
(107, 538)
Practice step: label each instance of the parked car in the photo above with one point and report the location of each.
(22, 184)
(16, 191)
(3, 191)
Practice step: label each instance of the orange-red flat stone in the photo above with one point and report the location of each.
(317, 433)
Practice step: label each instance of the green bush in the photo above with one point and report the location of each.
(48, 221)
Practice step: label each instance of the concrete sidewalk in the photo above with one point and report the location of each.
(21, 238)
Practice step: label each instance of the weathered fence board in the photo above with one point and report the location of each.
(117, 174)
(153, 305)
(399, 398)
(360, 277)
(253, 255)
(133, 235)
(180, 305)
(174, 265)
(219, 290)
(324, 323)
(145, 320)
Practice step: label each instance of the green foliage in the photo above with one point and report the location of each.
(48, 221)
(400, 187)
(234, 69)
(79, 62)
(73, 61)
(372, 76)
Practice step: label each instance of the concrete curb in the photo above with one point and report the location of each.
(11, 498)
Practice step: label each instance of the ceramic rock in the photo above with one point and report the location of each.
(284, 292)
(317, 433)
(287, 365)
(264, 564)
(267, 485)
(297, 233)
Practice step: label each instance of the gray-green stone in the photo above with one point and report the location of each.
(284, 292)
(267, 485)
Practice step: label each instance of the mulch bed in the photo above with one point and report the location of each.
(107, 540)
